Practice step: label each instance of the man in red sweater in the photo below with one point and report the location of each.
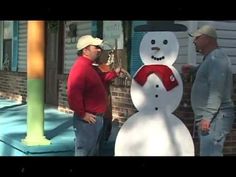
(87, 96)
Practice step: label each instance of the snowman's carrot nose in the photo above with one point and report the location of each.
(156, 48)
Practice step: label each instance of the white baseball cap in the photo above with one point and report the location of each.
(207, 30)
(87, 40)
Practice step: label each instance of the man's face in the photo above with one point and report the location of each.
(199, 43)
(93, 52)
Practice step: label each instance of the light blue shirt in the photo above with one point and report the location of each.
(213, 86)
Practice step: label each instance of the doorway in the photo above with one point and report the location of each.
(53, 60)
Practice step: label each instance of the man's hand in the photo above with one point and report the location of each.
(119, 71)
(90, 118)
(204, 125)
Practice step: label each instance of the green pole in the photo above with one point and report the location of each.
(35, 84)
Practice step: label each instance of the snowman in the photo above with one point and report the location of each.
(156, 91)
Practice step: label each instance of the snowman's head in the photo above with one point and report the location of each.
(159, 48)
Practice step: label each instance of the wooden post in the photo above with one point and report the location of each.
(35, 84)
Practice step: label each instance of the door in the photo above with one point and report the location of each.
(52, 60)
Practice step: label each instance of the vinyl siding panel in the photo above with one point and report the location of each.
(22, 47)
(83, 28)
(136, 37)
(226, 32)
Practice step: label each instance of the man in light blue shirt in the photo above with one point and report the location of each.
(211, 93)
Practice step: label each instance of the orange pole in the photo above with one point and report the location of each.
(35, 84)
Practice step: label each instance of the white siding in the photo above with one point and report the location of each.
(226, 32)
(183, 45)
(83, 28)
(22, 50)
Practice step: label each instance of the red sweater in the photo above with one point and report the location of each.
(85, 88)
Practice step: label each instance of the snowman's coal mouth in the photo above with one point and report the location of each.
(158, 58)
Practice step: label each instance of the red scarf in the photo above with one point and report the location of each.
(162, 71)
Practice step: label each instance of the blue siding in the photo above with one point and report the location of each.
(136, 61)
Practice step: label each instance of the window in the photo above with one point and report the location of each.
(8, 44)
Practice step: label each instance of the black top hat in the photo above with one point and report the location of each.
(161, 26)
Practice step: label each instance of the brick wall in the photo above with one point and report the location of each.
(230, 144)
(122, 105)
(62, 96)
(13, 85)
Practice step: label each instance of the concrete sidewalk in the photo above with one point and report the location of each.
(57, 128)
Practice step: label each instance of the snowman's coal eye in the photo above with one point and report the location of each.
(153, 42)
(165, 42)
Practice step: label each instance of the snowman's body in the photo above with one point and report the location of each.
(154, 130)
(153, 134)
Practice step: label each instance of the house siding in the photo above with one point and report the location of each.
(83, 28)
(22, 47)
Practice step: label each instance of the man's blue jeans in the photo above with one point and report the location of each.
(212, 143)
(88, 136)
